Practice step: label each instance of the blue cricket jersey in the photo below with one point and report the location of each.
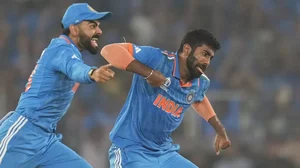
(53, 83)
(151, 114)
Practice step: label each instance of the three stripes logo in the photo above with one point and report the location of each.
(12, 131)
(137, 49)
(118, 159)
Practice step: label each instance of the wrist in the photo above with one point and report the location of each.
(151, 73)
(91, 71)
(221, 131)
(217, 125)
(137, 67)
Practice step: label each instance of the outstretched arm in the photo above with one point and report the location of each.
(121, 56)
(206, 111)
(71, 65)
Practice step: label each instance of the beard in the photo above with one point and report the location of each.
(86, 43)
(193, 68)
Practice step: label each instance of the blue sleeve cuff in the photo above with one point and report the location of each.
(90, 80)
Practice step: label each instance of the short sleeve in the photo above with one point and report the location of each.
(147, 55)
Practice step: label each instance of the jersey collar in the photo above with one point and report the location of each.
(68, 40)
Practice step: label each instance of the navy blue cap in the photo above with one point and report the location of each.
(78, 12)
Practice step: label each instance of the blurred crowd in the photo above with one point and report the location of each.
(255, 85)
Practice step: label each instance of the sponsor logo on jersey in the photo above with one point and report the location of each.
(75, 57)
(166, 84)
(168, 106)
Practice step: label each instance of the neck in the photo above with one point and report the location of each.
(76, 42)
(185, 76)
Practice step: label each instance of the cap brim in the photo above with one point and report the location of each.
(100, 16)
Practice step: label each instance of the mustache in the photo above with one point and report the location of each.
(202, 66)
(96, 36)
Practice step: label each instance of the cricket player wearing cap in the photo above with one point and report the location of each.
(28, 136)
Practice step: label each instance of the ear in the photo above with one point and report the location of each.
(73, 30)
(187, 49)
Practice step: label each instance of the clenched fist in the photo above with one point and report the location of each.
(103, 74)
(222, 142)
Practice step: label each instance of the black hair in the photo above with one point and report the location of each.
(66, 31)
(198, 37)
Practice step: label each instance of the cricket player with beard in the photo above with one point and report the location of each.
(28, 136)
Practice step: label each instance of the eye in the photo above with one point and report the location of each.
(93, 26)
(205, 54)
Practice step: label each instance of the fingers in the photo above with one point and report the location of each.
(225, 145)
(112, 73)
(106, 66)
(217, 146)
(155, 83)
(107, 73)
(152, 83)
(103, 74)
(103, 79)
(221, 144)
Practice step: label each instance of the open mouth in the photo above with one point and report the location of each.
(94, 42)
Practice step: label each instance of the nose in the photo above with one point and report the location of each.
(206, 61)
(98, 31)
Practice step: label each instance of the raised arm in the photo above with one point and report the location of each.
(123, 56)
(67, 62)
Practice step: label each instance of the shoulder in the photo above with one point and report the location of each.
(58, 44)
(203, 86)
(140, 49)
(204, 82)
(148, 52)
(62, 52)
(204, 77)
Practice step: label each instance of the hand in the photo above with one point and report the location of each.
(103, 74)
(221, 142)
(156, 79)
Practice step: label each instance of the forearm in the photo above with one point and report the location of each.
(79, 72)
(217, 125)
(137, 67)
(120, 55)
(71, 65)
(204, 109)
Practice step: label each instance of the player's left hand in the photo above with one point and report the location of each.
(221, 143)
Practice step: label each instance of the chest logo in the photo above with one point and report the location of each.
(190, 97)
(168, 106)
